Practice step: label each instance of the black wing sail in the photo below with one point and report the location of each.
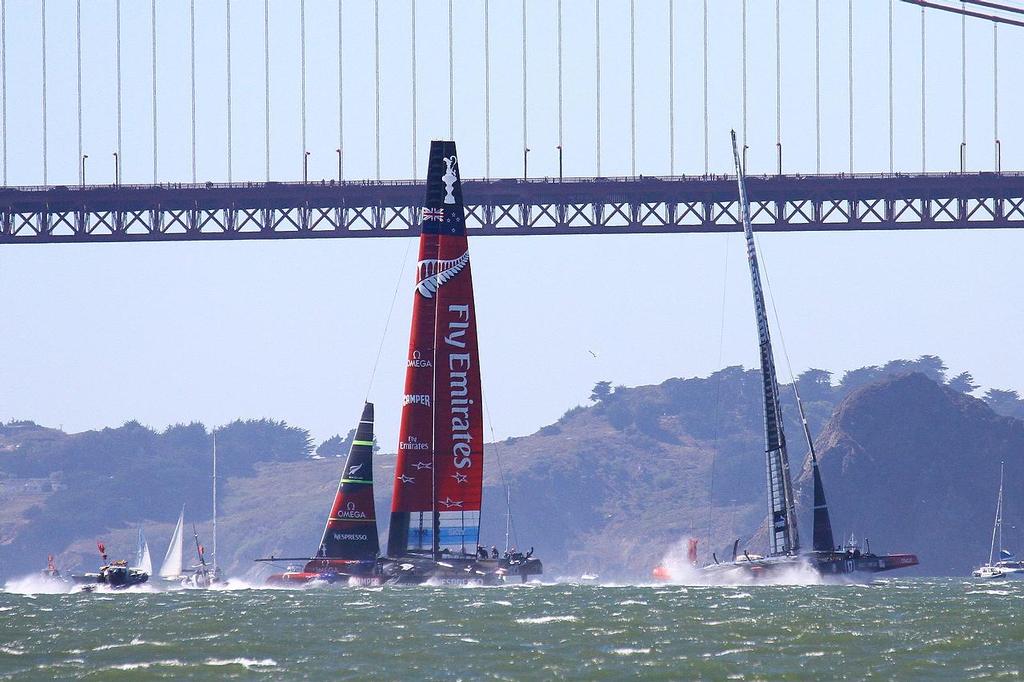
(823, 540)
(351, 531)
(783, 532)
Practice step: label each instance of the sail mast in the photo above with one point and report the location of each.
(997, 528)
(783, 534)
(214, 502)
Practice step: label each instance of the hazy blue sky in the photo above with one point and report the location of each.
(95, 335)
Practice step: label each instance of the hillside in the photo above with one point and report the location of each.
(909, 461)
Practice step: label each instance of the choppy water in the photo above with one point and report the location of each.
(898, 629)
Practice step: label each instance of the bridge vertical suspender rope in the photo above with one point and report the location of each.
(42, 14)
(743, 76)
(376, 85)
(850, 65)
(119, 159)
(3, 81)
(632, 87)
(192, 81)
(892, 127)
(559, 30)
(995, 98)
(924, 97)
(597, 42)
(526, 148)
(152, 16)
(227, 50)
(817, 86)
(778, 86)
(341, 97)
(963, 89)
(451, 70)
(671, 88)
(266, 86)
(487, 84)
(415, 169)
(302, 86)
(78, 51)
(707, 142)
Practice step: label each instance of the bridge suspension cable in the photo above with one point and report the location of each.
(559, 28)
(302, 86)
(924, 96)
(778, 86)
(118, 156)
(341, 97)
(3, 81)
(192, 81)
(266, 86)
(743, 77)
(526, 148)
(78, 52)
(376, 84)
(851, 92)
(152, 16)
(451, 70)
(412, 32)
(227, 51)
(707, 141)
(817, 86)
(597, 41)
(42, 14)
(632, 86)
(998, 164)
(963, 90)
(928, 4)
(671, 88)
(487, 84)
(892, 133)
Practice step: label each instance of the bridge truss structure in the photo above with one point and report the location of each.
(642, 205)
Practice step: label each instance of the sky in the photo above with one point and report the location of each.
(97, 334)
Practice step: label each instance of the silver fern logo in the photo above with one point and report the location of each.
(434, 272)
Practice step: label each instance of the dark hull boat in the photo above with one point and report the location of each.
(116, 575)
(784, 539)
(434, 534)
(349, 548)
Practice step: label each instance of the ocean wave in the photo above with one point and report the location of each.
(539, 620)
(247, 663)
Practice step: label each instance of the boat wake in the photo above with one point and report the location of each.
(677, 568)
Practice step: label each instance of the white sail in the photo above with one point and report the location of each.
(173, 560)
(143, 561)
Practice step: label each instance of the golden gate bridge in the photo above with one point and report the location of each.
(698, 201)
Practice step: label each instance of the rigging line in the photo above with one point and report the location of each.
(302, 82)
(671, 88)
(597, 42)
(632, 87)
(707, 142)
(266, 86)
(227, 48)
(718, 388)
(413, 33)
(451, 70)
(817, 85)
(487, 85)
(152, 15)
(850, 64)
(501, 466)
(376, 84)
(42, 15)
(192, 81)
(387, 320)
(78, 50)
(892, 127)
(341, 100)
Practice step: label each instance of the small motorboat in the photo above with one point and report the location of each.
(116, 575)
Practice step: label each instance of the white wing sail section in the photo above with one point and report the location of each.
(173, 560)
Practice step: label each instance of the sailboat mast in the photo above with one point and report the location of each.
(214, 501)
(783, 534)
(997, 528)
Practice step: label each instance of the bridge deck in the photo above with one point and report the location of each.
(271, 210)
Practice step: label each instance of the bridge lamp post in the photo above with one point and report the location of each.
(305, 168)
(559, 163)
(526, 150)
(117, 170)
(84, 157)
(339, 164)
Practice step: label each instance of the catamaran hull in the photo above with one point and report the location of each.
(835, 564)
(459, 571)
(843, 564)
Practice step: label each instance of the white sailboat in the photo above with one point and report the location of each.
(143, 561)
(1006, 567)
(171, 569)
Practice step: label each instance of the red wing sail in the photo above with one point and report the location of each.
(351, 531)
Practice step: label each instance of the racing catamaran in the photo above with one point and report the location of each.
(434, 532)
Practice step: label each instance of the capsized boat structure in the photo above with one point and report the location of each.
(434, 532)
(784, 549)
(349, 548)
(1007, 566)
